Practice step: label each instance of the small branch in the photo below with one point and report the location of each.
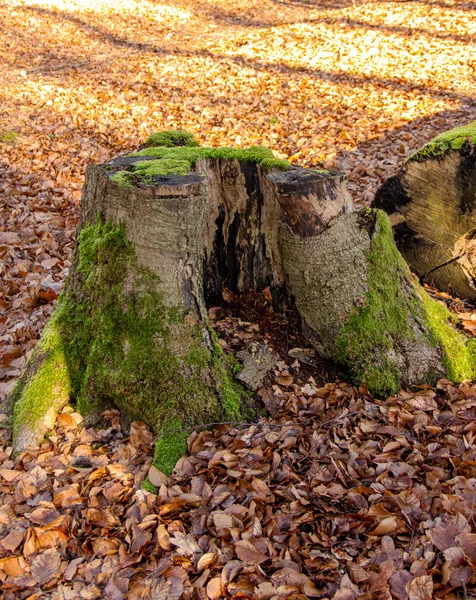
(261, 424)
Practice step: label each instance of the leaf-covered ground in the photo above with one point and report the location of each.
(350, 498)
(335, 495)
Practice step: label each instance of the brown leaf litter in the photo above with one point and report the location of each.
(336, 496)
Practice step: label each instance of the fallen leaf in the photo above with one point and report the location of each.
(46, 566)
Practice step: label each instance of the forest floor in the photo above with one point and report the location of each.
(333, 494)
(353, 85)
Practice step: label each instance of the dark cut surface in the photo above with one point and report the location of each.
(391, 195)
(298, 189)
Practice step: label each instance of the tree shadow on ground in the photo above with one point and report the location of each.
(340, 4)
(341, 77)
(224, 17)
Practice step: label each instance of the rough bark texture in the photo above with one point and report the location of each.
(131, 327)
(434, 196)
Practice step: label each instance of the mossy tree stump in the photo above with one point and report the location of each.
(432, 203)
(162, 231)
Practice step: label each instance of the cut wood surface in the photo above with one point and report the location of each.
(435, 195)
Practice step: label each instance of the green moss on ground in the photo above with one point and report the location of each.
(149, 487)
(108, 342)
(8, 136)
(366, 341)
(446, 142)
(181, 159)
(171, 444)
(236, 401)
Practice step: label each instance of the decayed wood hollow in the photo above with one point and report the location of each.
(248, 213)
(225, 225)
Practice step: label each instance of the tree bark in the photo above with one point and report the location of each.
(131, 327)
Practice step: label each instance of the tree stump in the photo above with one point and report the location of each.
(432, 202)
(162, 231)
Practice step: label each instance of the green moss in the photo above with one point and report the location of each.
(123, 178)
(171, 139)
(109, 342)
(47, 385)
(169, 447)
(367, 339)
(149, 487)
(382, 321)
(118, 342)
(181, 160)
(446, 142)
(165, 166)
(253, 154)
(7, 423)
(275, 163)
(8, 136)
(459, 352)
(236, 401)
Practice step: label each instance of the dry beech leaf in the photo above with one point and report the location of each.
(214, 589)
(221, 519)
(399, 584)
(205, 561)
(46, 566)
(13, 539)
(231, 570)
(38, 477)
(386, 526)
(156, 477)
(13, 566)
(421, 588)
(105, 546)
(176, 504)
(9, 474)
(163, 537)
(7, 516)
(344, 594)
(50, 418)
(249, 554)
(67, 421)
(72, 568)
(140, 435)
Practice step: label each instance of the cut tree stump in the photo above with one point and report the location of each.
(432, 203)
(163, 231)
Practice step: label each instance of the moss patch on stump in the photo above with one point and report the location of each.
(383, 323)
(108, 343)
(176, 154)
(446, 142)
